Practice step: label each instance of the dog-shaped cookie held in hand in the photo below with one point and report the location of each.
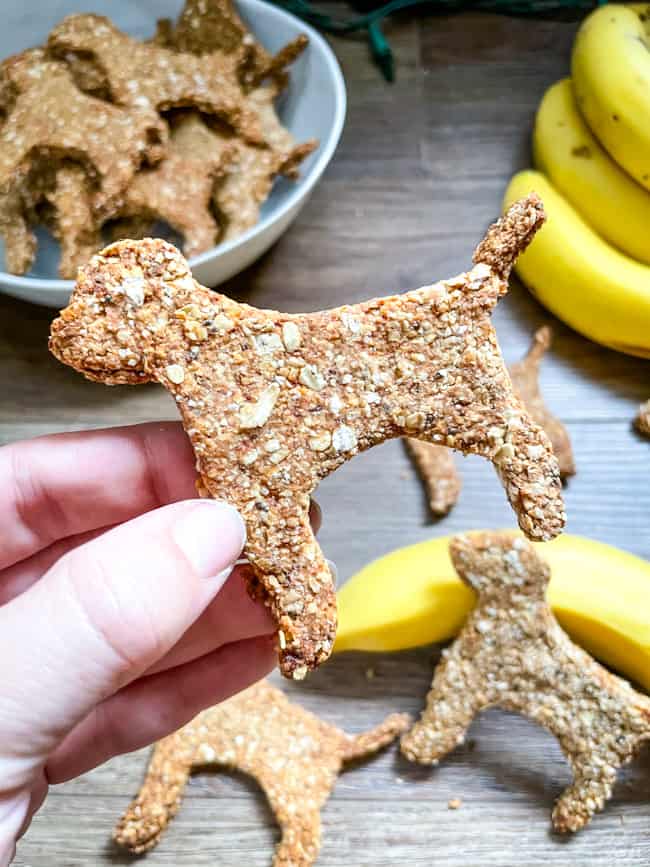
(273, 402)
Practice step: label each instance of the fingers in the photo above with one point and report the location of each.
(18, 578)
(58, 486)
(155, 706)
(231, 616)
(105, 613)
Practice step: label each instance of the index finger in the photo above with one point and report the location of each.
(61, 485)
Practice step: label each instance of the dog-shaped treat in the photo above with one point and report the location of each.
(294, 756)
(274, 402)
(512, 654)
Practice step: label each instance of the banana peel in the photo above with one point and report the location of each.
(412, 597)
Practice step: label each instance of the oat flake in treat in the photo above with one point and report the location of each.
(274, 402)
(294, 756)
(511, 653)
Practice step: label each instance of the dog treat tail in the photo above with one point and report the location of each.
(364, 744)
(158, 800)
(510, 235)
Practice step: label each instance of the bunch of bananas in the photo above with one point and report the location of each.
(590, 264)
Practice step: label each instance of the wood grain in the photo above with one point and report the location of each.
(418, 176)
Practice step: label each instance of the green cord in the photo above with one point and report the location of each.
(371, 21)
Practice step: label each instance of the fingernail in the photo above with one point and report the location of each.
(211, 535)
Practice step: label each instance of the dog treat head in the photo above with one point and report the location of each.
(273, 403)
(498, 563)
(119, 307)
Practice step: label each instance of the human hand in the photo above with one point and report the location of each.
(112, 634)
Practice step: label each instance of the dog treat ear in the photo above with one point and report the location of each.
(490, 562)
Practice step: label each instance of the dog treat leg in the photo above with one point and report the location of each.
(74, 224)
(511, 653)
(525, 379)
(158, 800)
(436, 467)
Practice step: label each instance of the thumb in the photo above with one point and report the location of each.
(103, 614)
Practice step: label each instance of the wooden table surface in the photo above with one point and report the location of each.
(418, 176)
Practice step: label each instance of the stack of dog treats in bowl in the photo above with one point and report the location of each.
(106, 136)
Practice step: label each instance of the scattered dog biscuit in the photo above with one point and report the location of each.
(436, 466)
(248, 182)
(511, 653)
(149, 75)
(179, 190)
(294, 756)
(275, 402)
(642, 420)
(525, 379)
(51, 116)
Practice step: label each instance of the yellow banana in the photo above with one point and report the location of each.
(565, 150)
(589, 284)
(412, 596)
(610, 67)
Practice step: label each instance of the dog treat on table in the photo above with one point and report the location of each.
(147, 74)
(179, 189)
(642, 420)
(525, 379)
(512, 653)
(275, 402)
(436, 466)
(250, 176)
(50, 115)
(294, 756)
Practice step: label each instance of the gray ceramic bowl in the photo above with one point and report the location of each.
(312, 107)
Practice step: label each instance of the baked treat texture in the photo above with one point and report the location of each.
(273, 402)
